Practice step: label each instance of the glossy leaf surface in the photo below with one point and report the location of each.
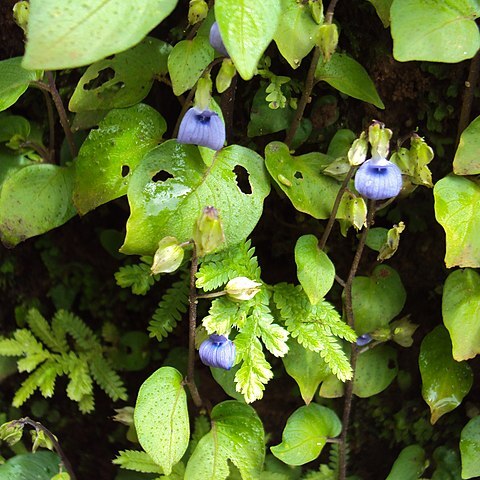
(469, 447)
(39, 466)
(410, 464)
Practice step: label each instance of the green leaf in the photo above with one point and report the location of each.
(409, 465)
(307, 368)
(123, 80)
(136, 460)
(306, 433)
(247, 28)
(296, 33)
(461, 309)
(161, 417)
(377, 299)
(456, 200)
(424, 29)
(236, 435)
(383, 10)
(12, 126)
(11, 163)
(170, 207)
(67, 35)
(139, 277)
(315, 271)
(226, 379)
(375, 371)
(109, 155)
(348, 76)
(107, 379)
(29, 466)
(187, 61)
(445, 382)
(469, 447)
(34, 200)
(466, 161)
(14, 81)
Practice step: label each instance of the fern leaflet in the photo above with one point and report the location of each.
(137, 461)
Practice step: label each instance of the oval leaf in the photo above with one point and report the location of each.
(161, 417)
(39, 466)
(236, 435)
(409, 465)
(423, 30)
(315, 271)
(34, 200)
(461, 312)
(348, 76)
(306, 433)
(71, 34)
(123, 80)
(377, 299)
(247, 28)
(456, 201)
(467, 160)
(111, 152)
(445, 382)
(469, 448)
(172, 185)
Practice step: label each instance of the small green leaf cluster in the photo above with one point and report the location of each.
(46, 352)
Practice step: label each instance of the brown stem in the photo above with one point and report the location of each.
(38, 426)
(40, 149)
(336, 205)
(227, 103)
(330, 11)
(342, 454)
(51, 127)
(467, 101)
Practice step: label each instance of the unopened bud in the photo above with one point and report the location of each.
(402, 331)
(382, 334)
(21, 11)
(379, 138)
(197, 11)
(124, 415)
(242, 288)
(11, 432)
(168, 257)
(225, 75)
(327, 40)
(208, 232)
(358, 151)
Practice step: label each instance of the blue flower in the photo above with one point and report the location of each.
(202, 127)
(217, 351)
(378, 179)
(216, 39)
(364, 339)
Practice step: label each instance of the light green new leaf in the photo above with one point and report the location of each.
(296, 33)
(123, 80)
(187, 61)
(409, 465)
(111, 152)
(247, 27)
(315, 271)
(375, 371)
(67, 34)
(236, 435)
(382, 8)
(445, 382)
(14, 81)
(13, 126)
(33, 200)
(435, 31)
(170, 207)
(10, 163)
(377, 299)
(467, 160)
(456, 202)
(461, 312)
(348, 76)
(469, 448)
(306, 433)
(161, 417)
(306, 367)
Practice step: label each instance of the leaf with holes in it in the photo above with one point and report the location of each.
(72, 34)
(123, 80)
(172, 185)
(108, 156)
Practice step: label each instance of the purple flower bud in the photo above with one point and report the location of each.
(378, 179)
(364, 339)
(216, 40)
(202, 127)
(217, 351)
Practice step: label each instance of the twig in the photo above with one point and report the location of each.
(342, 454)
(330, 11)
(470, 85)
(51, 127)
(40, 149)
(336, 205)
(38, 426)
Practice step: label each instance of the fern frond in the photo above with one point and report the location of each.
(138, 461)
(170, 309)
(41, 329)
(28, 387)
(9, 347)
(32, 361)
(78, 329)
(137, 277)
(80, 380)
(87, 403)
(224, 314)
(273, 336)
(331, 319)
(107, 379)
(46, 382)
(28, 341)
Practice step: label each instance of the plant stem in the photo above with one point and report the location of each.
(40, 149)
(212, 295)
(51, 127)
(192, 325)
(354, 350)
(330, 11)
(38, 426)
(336, 205)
